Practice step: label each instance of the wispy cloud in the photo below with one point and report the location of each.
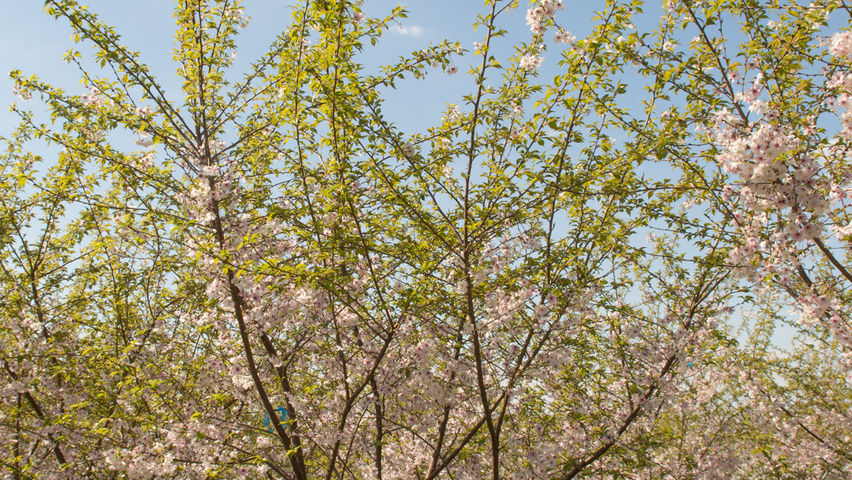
(411, 31)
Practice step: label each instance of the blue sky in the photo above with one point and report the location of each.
(33, 42)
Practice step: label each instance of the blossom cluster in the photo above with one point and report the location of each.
(239, 16)
(531, 62)
(537, 16)
(841, 45)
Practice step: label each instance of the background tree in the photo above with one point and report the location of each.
(763, 87)
(474, 300)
